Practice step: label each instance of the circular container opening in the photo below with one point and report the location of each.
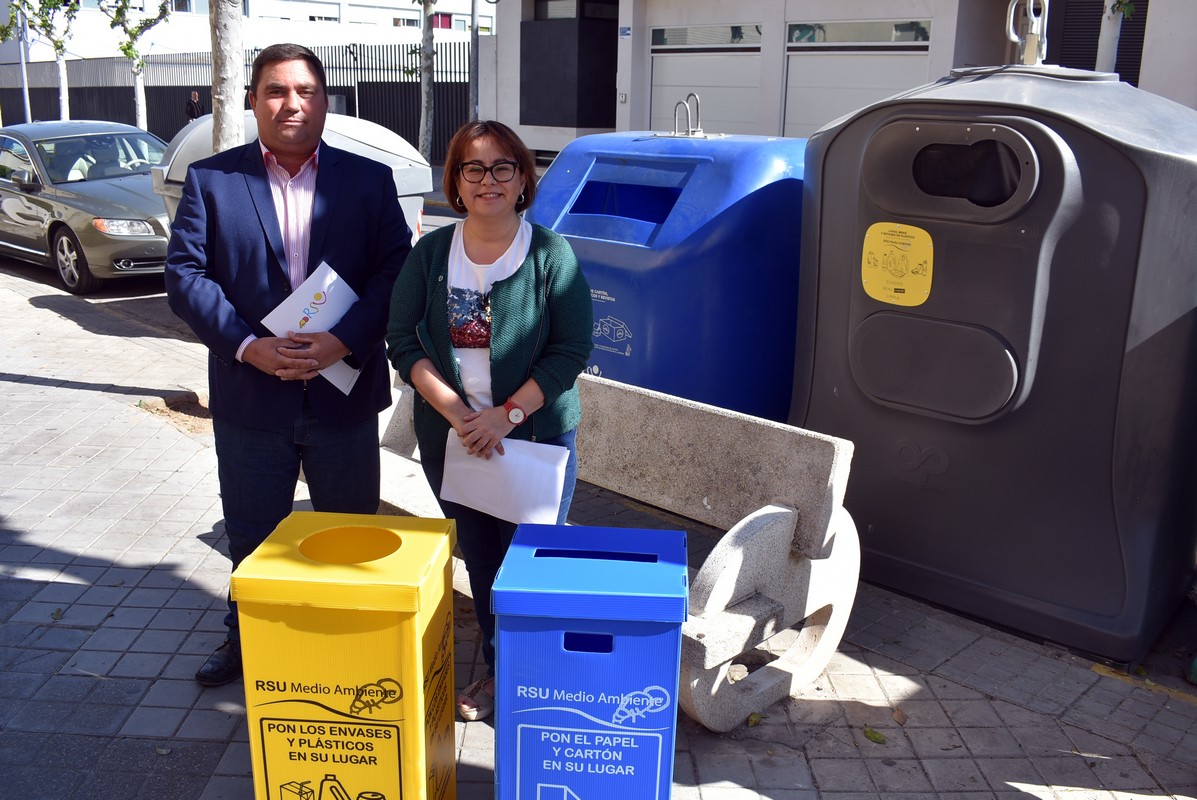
(350, 545)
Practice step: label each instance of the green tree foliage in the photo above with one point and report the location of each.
(50, 19)
(133, 24)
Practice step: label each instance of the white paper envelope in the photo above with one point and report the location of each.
(523, 485)
(317, 305)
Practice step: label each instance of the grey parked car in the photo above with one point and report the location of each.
(77, 196)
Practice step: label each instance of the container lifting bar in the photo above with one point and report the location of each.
(693, 124)
(1032, 48)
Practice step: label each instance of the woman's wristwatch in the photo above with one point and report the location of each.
(515, 414)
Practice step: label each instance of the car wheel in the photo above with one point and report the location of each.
(71, 264)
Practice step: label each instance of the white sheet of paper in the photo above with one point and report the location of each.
(522, 485)
(317, 305)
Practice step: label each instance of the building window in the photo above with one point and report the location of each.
(600, 9)
(862, 35)
(485, 24)
(556, 9)
(442, 21)
(459, 24)
(406, 22)
(706, 37)
(183, 6)
(570, 9)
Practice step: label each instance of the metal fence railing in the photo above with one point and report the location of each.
(380, 83)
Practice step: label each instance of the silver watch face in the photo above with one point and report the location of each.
(515, 416)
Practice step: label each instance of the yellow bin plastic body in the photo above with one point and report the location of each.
(347, 643)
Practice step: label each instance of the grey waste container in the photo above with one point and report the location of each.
(998, 308)
(412, 175)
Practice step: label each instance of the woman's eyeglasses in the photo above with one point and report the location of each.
(502, 171)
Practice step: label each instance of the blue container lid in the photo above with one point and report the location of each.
(634, 189)
(575, 572)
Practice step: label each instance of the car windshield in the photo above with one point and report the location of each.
(100, 156)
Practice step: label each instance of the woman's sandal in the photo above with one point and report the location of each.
(477, 701)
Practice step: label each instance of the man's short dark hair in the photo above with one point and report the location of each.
(286, 52)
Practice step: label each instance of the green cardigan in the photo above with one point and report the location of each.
(541, 327)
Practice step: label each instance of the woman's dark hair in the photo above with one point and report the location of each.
(286, 52)
(505, 139)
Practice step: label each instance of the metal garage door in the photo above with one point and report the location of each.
(727, 83)
(822, 86)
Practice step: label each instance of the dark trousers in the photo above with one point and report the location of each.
(483, 539)
(258, 472)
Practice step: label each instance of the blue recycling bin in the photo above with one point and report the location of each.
(691, 248)
(588, 642)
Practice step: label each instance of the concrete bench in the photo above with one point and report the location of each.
(790, 552)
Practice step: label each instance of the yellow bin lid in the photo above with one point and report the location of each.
(346, 561)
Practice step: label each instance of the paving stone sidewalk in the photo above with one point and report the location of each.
(112, 582)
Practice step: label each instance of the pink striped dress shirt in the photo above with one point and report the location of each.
(293, 198)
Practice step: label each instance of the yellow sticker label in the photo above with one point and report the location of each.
(896, 264)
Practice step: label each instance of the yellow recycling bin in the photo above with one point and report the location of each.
(347, 642)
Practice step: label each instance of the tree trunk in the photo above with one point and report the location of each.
(139, 95)
(1107, 39)
(427, 54)
(228, 75)
(473, 107)
(64, 94)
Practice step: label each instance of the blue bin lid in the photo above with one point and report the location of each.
(667, 187)
(576, 572)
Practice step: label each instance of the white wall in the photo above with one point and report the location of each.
(964, 33)
(632, 79)
(509, 14)
(92, 36)
(488, 77)
(1169, 66)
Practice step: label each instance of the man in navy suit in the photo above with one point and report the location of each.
(252, 224)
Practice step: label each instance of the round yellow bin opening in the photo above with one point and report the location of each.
(350, 545)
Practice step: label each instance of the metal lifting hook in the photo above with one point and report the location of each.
(693, 126)
(1033, 48)
(697, 129)
(677, 131)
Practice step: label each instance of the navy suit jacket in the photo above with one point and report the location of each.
(226, 269)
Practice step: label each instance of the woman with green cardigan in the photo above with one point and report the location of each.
(491, 325)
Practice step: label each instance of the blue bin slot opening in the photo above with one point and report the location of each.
(577, 642)
(628, 200)
(595, 555)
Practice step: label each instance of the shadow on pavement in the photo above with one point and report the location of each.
(139, 316)
(106, 388)
(96, 657)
